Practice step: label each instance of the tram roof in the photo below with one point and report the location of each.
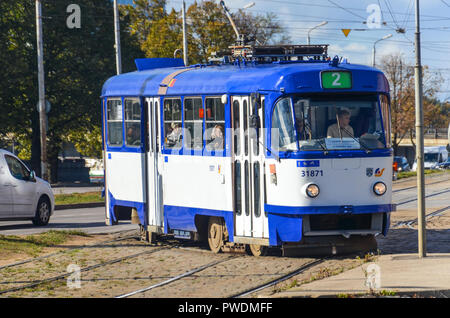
(300, 77)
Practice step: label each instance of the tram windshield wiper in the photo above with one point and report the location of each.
(320, 141)
(367, 149)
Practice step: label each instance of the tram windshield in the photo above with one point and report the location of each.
(338, 122)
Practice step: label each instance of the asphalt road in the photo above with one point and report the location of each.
(88, 220)
(92, 220)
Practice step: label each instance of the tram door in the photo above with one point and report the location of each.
(247, 170)
(154, 179)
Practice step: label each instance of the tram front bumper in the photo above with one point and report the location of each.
(290, 224)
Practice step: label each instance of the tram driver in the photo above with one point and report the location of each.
(342, 127)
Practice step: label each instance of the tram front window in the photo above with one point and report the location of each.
(338, 122)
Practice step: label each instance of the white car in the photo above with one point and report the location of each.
(23, 196)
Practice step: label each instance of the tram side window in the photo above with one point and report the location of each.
(132, 122)
(114, 119)
(386, 119)
(215, 123)
(283, 134)
(193, 123)
(172, 123)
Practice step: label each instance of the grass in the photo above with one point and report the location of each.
(408, 174)
(33, 244)
(74, 198)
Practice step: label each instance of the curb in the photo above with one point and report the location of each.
(438, 293)
(79, 205)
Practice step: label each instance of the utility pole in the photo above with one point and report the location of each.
(41, 84)
(185, 45)
(419, 142)
(117, 37)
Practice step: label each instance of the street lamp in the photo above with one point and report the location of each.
(317, 26)
(373, 52)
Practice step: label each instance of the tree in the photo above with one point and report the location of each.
(400, 75)
(261, 29)
(208, 30)
(76, 62)
(164, 37)
(141, 16)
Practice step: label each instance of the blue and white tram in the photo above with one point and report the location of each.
(245, 153)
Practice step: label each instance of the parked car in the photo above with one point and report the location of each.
(402, 163)
(23, 196)
(445, 164)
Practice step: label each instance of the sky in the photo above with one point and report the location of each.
(298, 16)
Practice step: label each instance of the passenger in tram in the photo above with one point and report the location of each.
(343, 129)
(174, 137)
(216, 138)
(133, 136)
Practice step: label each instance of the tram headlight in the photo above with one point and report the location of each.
(379, 188)
(312, 190)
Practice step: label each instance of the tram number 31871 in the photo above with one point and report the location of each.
(311, 173)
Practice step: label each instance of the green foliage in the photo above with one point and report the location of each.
(164, 37)
(76, 64)
(208, 29)
(33, 244)
(88, 142)
(75, 198)
(78, 61)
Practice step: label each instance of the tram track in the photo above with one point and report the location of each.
(175, 278)
(409, 223)
(31, 284)
(412, 199)
(39, 258)
(61, 276)
(213, 279)
(219, 273)
(415, 186)
(278, 280)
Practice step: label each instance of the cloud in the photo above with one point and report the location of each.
(355, 52)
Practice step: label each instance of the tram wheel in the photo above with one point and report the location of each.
(215, 234)
(256, 250)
